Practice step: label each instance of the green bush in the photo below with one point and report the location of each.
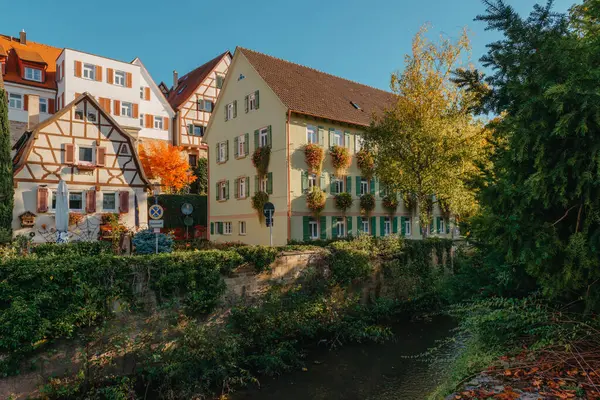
(259, 256)
(72, 249)
(348, 262)
(144, 242)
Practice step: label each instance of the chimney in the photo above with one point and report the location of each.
(175, 79)
(33, 110)
(23, 37)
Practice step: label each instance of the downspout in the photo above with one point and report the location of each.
(289, 197)
(208, 194)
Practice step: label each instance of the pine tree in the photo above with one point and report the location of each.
(6, 172)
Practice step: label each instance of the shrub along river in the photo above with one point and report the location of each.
(367, 372)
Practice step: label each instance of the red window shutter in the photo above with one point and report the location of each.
(128, 79)
(105, 104)
(146, 93)
(26, 102)
(78, 69)
(51, 105)
(136, 112)
(166, 123)
(42, 199)
(110, 77)
(101, 156)
(98, 73)
(90, 201)
(117, 107)
(69, 153)
(124, 202)
(149, 121)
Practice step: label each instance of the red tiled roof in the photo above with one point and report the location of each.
(32, 52)
(190, 82)
(307, 91)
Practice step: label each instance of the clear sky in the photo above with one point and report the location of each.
(361, 40)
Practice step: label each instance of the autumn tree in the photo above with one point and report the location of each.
(166, 163)
(6, 172)
(428, 142)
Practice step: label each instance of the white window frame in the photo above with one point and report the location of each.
(262, 184)
(340, 226)
(222, 152)
(407, 228)
(442, 226)
(15, 101)
(339, 185)
(158, 123)
(366, 226)
(82, 201)
(92, 114)
(312, 134)
(79, 160)
(338, 138)
(127, 110)
(88, 71)
(227, 228)
(263, 137)
(387, 226)
(119, 78)
(220, 78)
(313, 229)
(222, 191)
(241, 146)
(312, 181)
(242, 227)
(79, 111)
(242, 188)
(229, 108)
(252, 101)
(52, 200)
(116, 202)
(33, 74)
(141, 92)
(358, 143)
(364, 186)
(44, 104)
(142, 124)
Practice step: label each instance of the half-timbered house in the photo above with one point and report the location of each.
(84, 146)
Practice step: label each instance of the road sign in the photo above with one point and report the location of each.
(156, 230)
(156, 223)
(187, 208)
(268, 209)
(155, 211)
(188, 221)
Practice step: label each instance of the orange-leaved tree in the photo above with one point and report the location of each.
(166, 163)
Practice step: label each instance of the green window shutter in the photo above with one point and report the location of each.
(247, 186)
(256, 187)
(234, 108)
(403, 226)
(347, 140)
(372, 186)
(304, 180)
(331, 134)
(190, 129)
(333, 228)
(382, 190)
(323, 223)
(349, 184)
(227, 190)
(321, 137)
(246, 103)
(349, 225)
(217, 191)
(373, 226)
(359, 226)
(270, 183)
(332, 185)
(305, 232)
(256, 139)
(358, 180)
(226, 150)
(212, 228)
(381, 226)
(322, 182)
(220, 228)
(235, 147)
(256, 99)
(448, 225)
(236, 188)
(217, 152)
(225, 112)
(395, 225)
(269, 137)
(246, 143)
(439, 224)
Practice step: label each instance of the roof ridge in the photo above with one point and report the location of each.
(17, 40)
(314, 69)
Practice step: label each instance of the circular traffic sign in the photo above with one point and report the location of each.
(155, 211)
(187, 208)
(188, 221)
(268, 209)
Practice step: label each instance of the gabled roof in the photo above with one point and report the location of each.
(27, 139)
(32, 52)
(187, 84)
(308, 91)
(155, 88)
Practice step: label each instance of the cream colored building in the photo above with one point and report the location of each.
(267, 101)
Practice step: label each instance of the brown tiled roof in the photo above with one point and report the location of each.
(307, 91)
(190, 81)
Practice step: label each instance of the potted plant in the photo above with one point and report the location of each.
(314, 155)
(260, 160)
(258, 202)
(366, 163)
(340, 159)
(343, 201)
(315, 201)
(390, 203)
(367, 203)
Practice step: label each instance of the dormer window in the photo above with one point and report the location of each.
(33, 74)
(355, 105)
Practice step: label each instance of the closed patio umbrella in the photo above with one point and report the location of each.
(62, 212)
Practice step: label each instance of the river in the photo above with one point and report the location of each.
(364, 372)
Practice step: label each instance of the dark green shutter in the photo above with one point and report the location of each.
(247, 184)
(395, 225)
(304, 180)
(322, 182)
(305, 229)
(381, 226)
(321, 135)
(348, 226)
(220, 228)
(403, 226)
(246, 103)
(349, 184)
(236, 188)
(269, 137)
(331, 133)
(332, 185)
(448, 225)
(190, 129)
(227, 190)
(246, 144)
(359, 225)
(226, 111)
(256, 186)
(235, 147)
(234, 108)
(374, 226)
(382, 190)
(347, 140)
(270, 183)
(226, 150)
(212, 228)
(358, 181)
(372, 184)
(333, 228)
(217, 153)
(323, 227)
(217, 190)
(256, 99)
(439, 224)
(256, 139)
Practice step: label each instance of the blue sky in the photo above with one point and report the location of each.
(359, 40)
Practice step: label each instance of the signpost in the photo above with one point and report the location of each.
(268, 211)
(156, 213)
(187, 209)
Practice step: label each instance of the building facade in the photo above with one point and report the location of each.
(193, 97)
(269, 102)
(97, 160)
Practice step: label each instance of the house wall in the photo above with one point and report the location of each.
(271, 112)
(19, 117)
(45, 166)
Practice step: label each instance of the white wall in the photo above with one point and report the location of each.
(22, 115)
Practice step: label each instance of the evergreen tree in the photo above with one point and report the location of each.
(200, 185)
(541, 198)
(6, 172)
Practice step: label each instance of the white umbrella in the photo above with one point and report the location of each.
(62, 212)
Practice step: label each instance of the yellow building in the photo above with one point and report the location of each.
(269, 102)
